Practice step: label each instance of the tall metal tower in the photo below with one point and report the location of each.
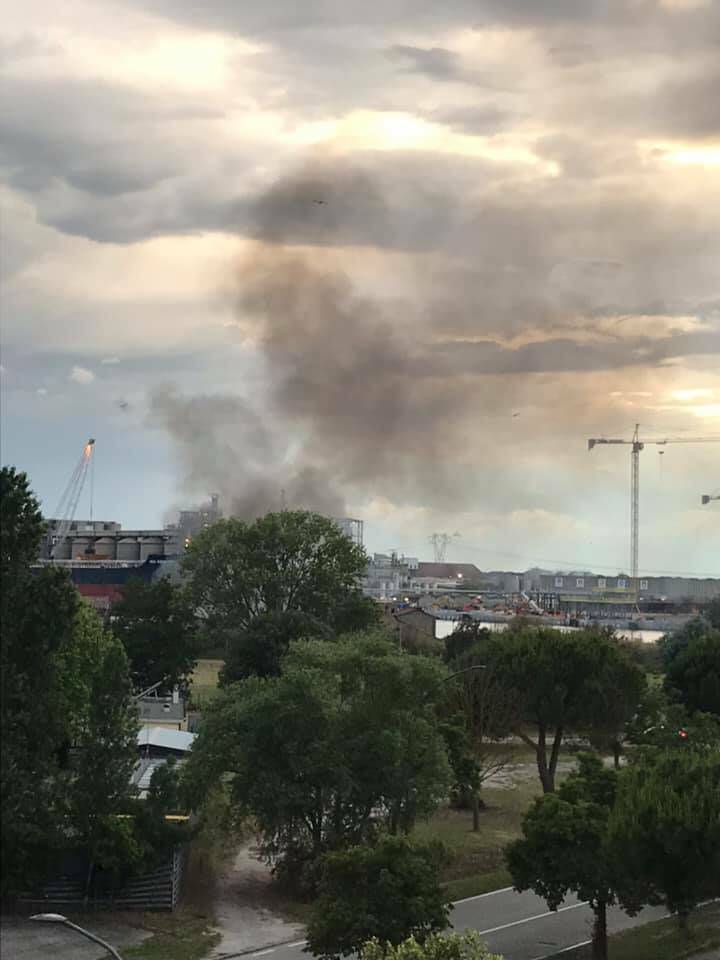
(440, 543)
(637, 446)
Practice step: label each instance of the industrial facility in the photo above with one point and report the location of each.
(102, 556)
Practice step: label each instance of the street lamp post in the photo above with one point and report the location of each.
(59, 918)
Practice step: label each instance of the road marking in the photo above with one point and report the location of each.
(538, 916)
(479, 896)
(505, 926)
(555, 953)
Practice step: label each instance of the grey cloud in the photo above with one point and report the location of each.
(284, 17)
(370, 402)
(436, 62)
(580, 158)
(98, 139)
(565, 355)
(484, 120)
(691, 106)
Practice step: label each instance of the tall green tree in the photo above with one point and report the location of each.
(564, 845)
(104, 750)
(156, 625)
(355, 613)
(38, 700)
(558, 682)
(258, 648)
(292, 560)
(347, 732)
(693, 675)
(388, 892)
(665, 829)
(22, 524)
(477, 695)
(53, 653)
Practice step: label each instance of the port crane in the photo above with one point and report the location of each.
(67, 506)
(637, 445)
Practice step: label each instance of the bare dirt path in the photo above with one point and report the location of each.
(244, 912)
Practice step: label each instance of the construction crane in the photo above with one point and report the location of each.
(637, 446)
(67, 506)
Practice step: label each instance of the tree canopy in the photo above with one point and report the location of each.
(156, 625)
(21, 523)
(58, 668)
(693, 674)
(104, 749)
(438, 946)
(559, 682)
(292, 560)
(389, 892)
(564, 845)
(345, 735)
(665, 829)
(258, 648)
(478, 703)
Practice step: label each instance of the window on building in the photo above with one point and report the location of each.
(622, 583)
(602, 583)
(579, 581)
(558, 581)
(643, 584)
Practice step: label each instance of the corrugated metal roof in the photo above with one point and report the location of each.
(165, 738)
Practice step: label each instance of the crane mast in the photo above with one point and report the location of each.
(635, 504)
(637, 445)
(70, 498)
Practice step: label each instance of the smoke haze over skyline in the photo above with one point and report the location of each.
(398, 266)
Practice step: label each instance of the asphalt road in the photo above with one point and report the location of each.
(518, 926)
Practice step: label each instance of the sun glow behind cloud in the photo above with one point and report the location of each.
(390, 130)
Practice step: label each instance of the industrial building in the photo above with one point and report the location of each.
(98, 540)
(581, 591)
(352, 528)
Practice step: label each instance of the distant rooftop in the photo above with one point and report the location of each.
(165, 738)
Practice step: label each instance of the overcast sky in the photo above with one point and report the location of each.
(395, 259)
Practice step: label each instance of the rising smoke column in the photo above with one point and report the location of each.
(353, 405)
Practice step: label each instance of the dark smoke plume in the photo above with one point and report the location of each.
(416, 400)
(353, 405)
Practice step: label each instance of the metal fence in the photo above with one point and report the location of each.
(159, 890)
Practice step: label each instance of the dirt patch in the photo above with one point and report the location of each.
(247, 909)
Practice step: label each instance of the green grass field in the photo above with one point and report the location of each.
(203, 684)
(662, 940)
(478, 862)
